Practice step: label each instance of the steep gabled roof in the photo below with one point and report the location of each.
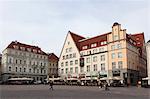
(76, 38)
(19, 45)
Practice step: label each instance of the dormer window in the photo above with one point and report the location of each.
(16, 47)
(34, 50)
(94, 45)
(39, 51)
(138, 43)
(137, 38)
(29, 49)
(84, 47)
(22, 48)
(103, 43)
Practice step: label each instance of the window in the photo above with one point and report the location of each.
(67, 57)
(30, 62)
(94, 58)
(120, 64)
(24, 69)
(113, 65)
(62, 71)
(70, 49)
(9, 68)
(62, 64)
(71, 62)
(63, 57)
(103, 67)
(120, 55)
(41, 71)
(29, 49)
(16, 61)
(84, 47)
(105, 42)
(76, 61)
(119, 46)
(66, 63)
(102, 57)
(34, 70)
(67, 50)
(29, 70)
(37, 70)
(44, 64)
(88, 68)
(115, 37)
(70, 55)
(88, 60)
(94, 45)
(74, 55)
(81, 69)
(66, 70)
(16, 69)
(20, 61)
(20, 69)
(24, 62)
(95, 67)
(95, 51)
(113, 55)
(10, 61)
(44, 71)
(112, 47)
(76, 69)
(71, 70)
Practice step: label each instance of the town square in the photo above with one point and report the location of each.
(74, 49)
(71, 92)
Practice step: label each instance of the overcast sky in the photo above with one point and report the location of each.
(45, 23)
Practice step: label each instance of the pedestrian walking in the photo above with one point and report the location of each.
(51, 85)
(106, 86)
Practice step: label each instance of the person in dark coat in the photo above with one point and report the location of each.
(106, 86)
(51, 85)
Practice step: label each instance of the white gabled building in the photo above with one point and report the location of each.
(69, 57)
(22, 60)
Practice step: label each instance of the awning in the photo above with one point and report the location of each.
(24, 78)
(72, 78)
(87, 78)
(146, 78)
(104, 78)
(55, 79)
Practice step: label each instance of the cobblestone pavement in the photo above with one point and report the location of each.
(71, 92)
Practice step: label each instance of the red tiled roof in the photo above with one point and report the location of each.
(76, 38)
(15, 43)
(139, 39)
(96, 39)
(52, 57)
(81, 41)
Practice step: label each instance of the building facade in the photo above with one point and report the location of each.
(148, 60)
(53, 65)
(0, 67)
(22, 60)
(116, 55)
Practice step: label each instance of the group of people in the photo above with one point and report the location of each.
(101, 85)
